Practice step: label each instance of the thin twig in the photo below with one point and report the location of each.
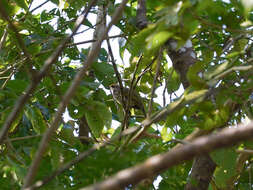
(165, 87)
(117, 75)
(1, 78)
(7, 79)
(245, 151)
(19, 39)
(31, 88)
(144, 71)
(13, 153)
(230, 42)
(93, 40)
(30, 5)
(79, 158)
(85, 30)
(164, 91)
(13, 67)
(161, 162)
(235, 68)
(172, 107)
(150, 105)
(179, 141)
(206, 23)
(69, 94)
(116, 72)
(130, 94)
(34, 9)
(4, 36)
(22, 138)
(73, 44)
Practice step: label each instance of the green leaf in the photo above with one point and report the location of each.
(67, 133)
(55, 2)
(45, 16)
(103, 56)
(166, 136)
(15, 123)
(87, 23)
(173, 118)
(154, 41)
(36, 118)
(34, 49)
(234, 54)
(5, 113)
(174, 82)
(56, 155)
(104, 73)
(22, 4)
(193, 75)
(10, 7)
(226, 161)
(17, 85)
(139, 41)
(98, 116)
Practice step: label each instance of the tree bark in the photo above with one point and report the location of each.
(83, 130)
(141, 17)
(203, 166)
(201, 175)
(182, 58)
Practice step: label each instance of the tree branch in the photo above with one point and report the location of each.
(34, 9)
(18, 37)
(130, 94)
(79, 158)
(206, 23)
(150, 105)
(116, 71)
(141, 16)
(159, 163)
(30, 89)
(3, 38)
(69, 94)
(93, 40)
(147, 68)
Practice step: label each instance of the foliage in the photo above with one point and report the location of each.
(221, 35)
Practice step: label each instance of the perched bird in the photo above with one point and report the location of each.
(136, 100)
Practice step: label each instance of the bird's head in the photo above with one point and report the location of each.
(114, 87)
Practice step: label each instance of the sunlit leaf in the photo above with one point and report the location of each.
(166, 135)
(22, 4)
(155, 40)
(197, 95)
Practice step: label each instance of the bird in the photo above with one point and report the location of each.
(135, 102)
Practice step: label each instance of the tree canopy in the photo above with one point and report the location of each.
(189, 63)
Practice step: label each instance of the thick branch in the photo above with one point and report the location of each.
(159, 163)
(68, 95)
(141, 17)
(201, 173)
(30, 89)
(79, 158)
